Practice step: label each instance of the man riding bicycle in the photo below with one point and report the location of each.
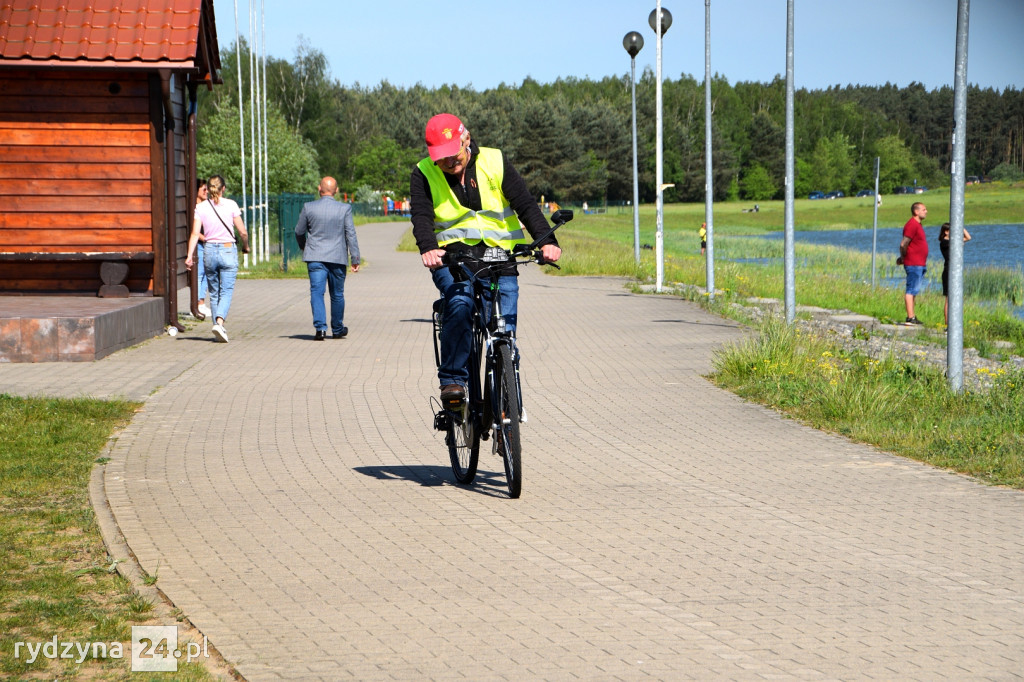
(470, 198)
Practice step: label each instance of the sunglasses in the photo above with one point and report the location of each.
(462, 148)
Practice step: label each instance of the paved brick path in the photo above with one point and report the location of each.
(297, 505)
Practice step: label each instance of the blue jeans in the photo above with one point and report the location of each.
(457, 321)
(221, 264)
(202, 271)
(331, 276)
(915, 278)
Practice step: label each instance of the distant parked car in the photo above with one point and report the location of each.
(920, 189)
(837, 194)
(816, 195)
(972, 180)
(903, 190)
(866, 193)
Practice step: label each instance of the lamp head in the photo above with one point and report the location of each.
(666, 20)
(633, 42)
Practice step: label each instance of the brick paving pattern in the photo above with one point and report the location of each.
(298, 507)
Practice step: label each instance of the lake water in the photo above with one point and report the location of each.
(991, 245)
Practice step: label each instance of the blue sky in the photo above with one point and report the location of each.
(484, 43)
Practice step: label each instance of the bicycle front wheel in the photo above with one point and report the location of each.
(507, 418)
(463, 439)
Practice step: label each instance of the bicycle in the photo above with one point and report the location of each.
(493, 405)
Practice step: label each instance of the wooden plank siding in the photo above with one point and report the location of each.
(182, 220)
(76, 177)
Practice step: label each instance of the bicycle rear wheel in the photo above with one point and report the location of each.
(463, 439)
(507, 418)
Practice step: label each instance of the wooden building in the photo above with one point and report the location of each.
(97, 145)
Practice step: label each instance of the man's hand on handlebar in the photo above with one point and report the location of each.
(433, 259)
(550, 253)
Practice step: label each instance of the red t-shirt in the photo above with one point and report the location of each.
(917, 249)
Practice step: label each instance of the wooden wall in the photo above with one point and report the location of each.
(76, 179)
(182, 218)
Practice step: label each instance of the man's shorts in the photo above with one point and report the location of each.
(915, 278)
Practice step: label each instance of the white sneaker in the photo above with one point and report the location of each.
(220, 333)
(205, 309)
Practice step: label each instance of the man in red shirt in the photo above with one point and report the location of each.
(914, 256)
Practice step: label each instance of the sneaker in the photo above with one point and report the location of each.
(220, 333)
(914, 320)
(205, 309)
(452, 393)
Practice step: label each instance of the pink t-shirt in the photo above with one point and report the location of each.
(213, 228)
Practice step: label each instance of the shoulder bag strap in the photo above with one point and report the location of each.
(217, 213)
(243, 239)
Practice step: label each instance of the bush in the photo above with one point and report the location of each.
(1007, 172)
(758, 185)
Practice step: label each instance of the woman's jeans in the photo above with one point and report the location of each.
(202, 271)
(457, 321)
(221, 264)
(331, 275)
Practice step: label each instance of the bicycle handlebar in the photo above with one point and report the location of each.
(521, 253)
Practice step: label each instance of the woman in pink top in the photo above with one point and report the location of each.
(213, 219)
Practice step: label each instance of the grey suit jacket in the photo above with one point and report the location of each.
(326, 233)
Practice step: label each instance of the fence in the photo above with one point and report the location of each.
(288, 208)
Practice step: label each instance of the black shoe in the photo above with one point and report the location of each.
(320, 335)
(914, 320)
(452, 394)
(343, 334)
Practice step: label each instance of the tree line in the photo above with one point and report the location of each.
(572, 139)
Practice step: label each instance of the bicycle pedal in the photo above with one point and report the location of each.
(455, 404)
(441, 420)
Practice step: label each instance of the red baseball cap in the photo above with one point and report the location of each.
(444, 136)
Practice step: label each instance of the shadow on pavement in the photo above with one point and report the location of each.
(487, 482)
(701, 324)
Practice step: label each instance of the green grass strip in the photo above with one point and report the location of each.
(57, 577)
(899, 406)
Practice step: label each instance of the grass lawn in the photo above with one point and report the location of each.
(899, 406)
(57, 577)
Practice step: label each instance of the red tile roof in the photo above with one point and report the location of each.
(114, 32)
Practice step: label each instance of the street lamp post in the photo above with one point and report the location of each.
(709, 188)
(660, 20)
(634, 42)
(955, 323)
(789, 253)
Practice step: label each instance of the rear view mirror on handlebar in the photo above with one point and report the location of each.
(562, 215)
(559, 218)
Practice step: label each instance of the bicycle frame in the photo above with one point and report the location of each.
(484, 348)
(494, 400)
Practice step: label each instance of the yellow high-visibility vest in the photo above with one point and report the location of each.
(495, 223)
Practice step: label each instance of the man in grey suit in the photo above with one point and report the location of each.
(327, 237)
